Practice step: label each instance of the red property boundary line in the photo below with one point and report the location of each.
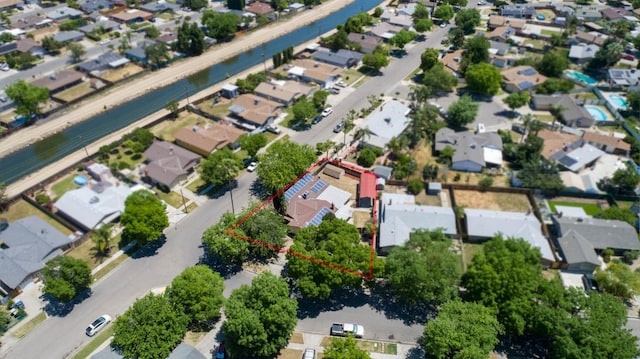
(231, 229)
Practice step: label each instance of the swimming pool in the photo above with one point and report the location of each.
(596, 113)
(619, 102)
(579, 76)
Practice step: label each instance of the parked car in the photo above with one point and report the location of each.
(252, 166)
(339, 127)
(309, 354)
(334, 90)
(341, 83)
(4, 66)
(273, 129)
(327, 111)
(98, 324)
(589, 282)
(344, 329)
(317, 119)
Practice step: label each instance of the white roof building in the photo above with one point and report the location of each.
(387, 122)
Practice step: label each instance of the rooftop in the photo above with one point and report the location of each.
(387, 122)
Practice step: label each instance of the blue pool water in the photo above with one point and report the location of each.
(596, 113)
(619, 102)
(582, 77)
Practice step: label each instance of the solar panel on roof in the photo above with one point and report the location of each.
(567, 161)
(293, 190)
(529, 72)
(318, 186)
(317, 219)
(525, 85)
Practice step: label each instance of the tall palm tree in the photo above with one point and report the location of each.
(348, 123)
(362, 133)
(419, 95)
(101, 236)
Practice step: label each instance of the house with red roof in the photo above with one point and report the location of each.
(367, 190)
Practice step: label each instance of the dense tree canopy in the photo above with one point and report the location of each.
(461, 330)
(231, 249)
(144, 217)
(424, 269)
(484, 78)
(357, 22)
(151, 328)
(554, 85)
(346, 348)
(220, 167)
(553, 63)
(402, 37)
(27, 98)
(65, 277)
(197, 292)
(260, 318)
(195, 4)
(76, 51)
(252, 143)
(283, 162)
(468, 19)
(609, 54)
(378, 59)
(620, 214)
(626, 180)
(437, 79)
(190, 39)
(429, 58)
(462, 112)
(303, 110)
(619, 280)
(220, 26)
(266, 227)
(444, 13)
(516, 100)
(336, 242)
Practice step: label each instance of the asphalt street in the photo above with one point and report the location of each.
(62, 334)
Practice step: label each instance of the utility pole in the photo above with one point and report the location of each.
(84, 145)
(184, 203)
(186, 89)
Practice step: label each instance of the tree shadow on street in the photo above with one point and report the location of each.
(522, 347)
(215, 262)
(258, 190)
(339, 299)
(150, 249)
(415, 353)
(55, 308)
(383, 300)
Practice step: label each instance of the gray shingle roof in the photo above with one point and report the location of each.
(341, 58)
(167, 162)
(101, 62)
(601, 233)
(66, 36)
(467, 145)
(31, 243)
(576, 249)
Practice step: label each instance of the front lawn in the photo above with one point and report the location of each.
(173, 199)
(86, 252)
(470, 250)
(166, 129)
(591, 209)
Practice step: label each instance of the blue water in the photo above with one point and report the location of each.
(596, 113)
(582, 77)
(619, 102)
(42, 153)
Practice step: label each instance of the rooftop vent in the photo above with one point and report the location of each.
(94, 200)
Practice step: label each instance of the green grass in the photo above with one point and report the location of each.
(548, 32)
(470, 250)
(591, 209)
(63, 186)
(97, 341)
(114, 263)
(538, 44)
(196, 186)
(172, 198)
(218, 109)
(30, 325)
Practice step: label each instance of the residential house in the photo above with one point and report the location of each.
(103, 25)
(30, 23)
(167, 38)
(573, 115)
(8, 48)
(623, 77)
(578, 237)
(138, 53)
(64, 13)
(341, 58)
(591, 37)
(260, 8)
(254, 110)
(10, 4)
(28, 45)
(383, 172)
(68, 36)
(157, 7)
(577, 158)
(90, 6)
(607, 143)
(501, 34)
(496, 21)
(485, 224)
(408, 9)
(583, 53)
(106, 61)
(556, 141)
(399, 216)
(383, 30)
(397, 19)
(564, 9)
(521, 78)
(451, 61)
(205, 140)
(614, 14)
(182, 351)
(367, 191)
(310, 199)
(59, 81)
(473, 152)
(99, 172)
(367, 43)
(386, 123)
(284, 92)
(27, 245)
(587, 14)
(93, 205)
(131, 16)
(168, 164)
(518, 11)
(498, 52)
(295, 7)
(308, 70)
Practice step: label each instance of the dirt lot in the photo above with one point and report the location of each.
(493, 201)
(166, 129)
(121, 73)
(75, 92)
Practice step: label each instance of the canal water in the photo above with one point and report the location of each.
(25, 161)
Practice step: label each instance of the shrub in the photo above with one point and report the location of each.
(486, 182)
(128, 152)
(136, 156)
(456, 178)
(630, 256)
(42, 198)
(367, 157)
(415, 186)
(122, 165)
(606, 255)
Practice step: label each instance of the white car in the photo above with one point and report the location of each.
(252, 166)
(98, 324)
(341, 83)
(481, 3)
(327, 111)
(273, 129)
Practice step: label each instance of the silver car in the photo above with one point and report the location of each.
(98, 324)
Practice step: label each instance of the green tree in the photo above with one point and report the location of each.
(346, 348)
(4, 199)
(457, 39)
(378, 59)
(504, 277)
(468, 19)
(462, 112)
(476, 51)
(357, 22)
(230, 249)
(283, 162)
(367, 157)
(174, 107)
(554, 85)
(150, 328)
(143, 136)
(633, 97)
(423, 25)
(252, 143)
(144, 217)
(197, 291)
(157, 53)
(424, 269)
(196, 4)
(303, 110)
(260, 318)
(101, 236)
(429, 58)
(619, 280)
(402, 37)
(421, 12)
(319, 98)
(438, 80)
(220, 25)
(236, 4)
(220, 167)
(266, 227)
(553, 63)
(152, 32)
(461, 330)
(51, 45)
(336, 242)
(339, 40)
(27, 97)
(484, 78)
(609, 54)
(516, 100)
(191, 38)
(625, 180)
(65, 277)
(77, 51)
(540, 174)
(444, 13)
(620, 214)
